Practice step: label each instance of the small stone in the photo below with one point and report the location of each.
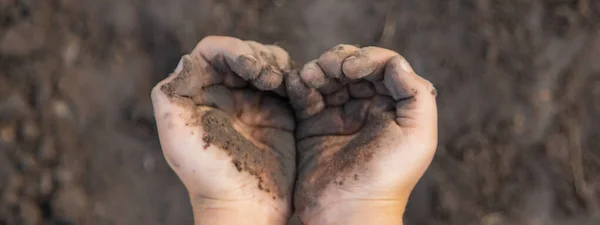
(8, 134)
(22, 39)
(31, 187)
(11, 192)
(70, 202)
(61, 109)
(544, 95)
(64, 175)
(149, 162)
(71, 51)
(492, 219)
(30, 130)
(5, 3)
(28, 162)
(14, 107)
(99, 209)
(596, 89)
(6, 169)
(30, 213)
(46, 183)
(47, 150)
(519, 123)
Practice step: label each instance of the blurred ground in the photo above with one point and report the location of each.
(519, 102)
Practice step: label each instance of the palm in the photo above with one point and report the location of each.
(342, 159)
(224, 127)
(360, 136)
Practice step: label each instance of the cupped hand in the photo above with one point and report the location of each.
(366, 132)
(227, 131)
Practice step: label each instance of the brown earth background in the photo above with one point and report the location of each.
(518, 82)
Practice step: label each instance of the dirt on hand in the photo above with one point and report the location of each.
(246, 157)
(241, 120)
(518, 87)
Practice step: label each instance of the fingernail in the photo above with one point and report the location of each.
(406, 67)
(247, 66)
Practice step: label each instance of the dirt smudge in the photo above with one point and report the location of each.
(246, 156)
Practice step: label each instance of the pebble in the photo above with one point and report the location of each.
(519, 123)
(99, 209)
(70, 202)
(14, 107)
(22, 39)
(46, 184)
(5, 3)
(148, 162)
(8, 134)
(64, 175)
(30, 130)
(11, 191)
(31, 188)
(544, 95)
(30, 213)
(28, 162)
(71, 51)
(47, 150)
(61, 109)
(492, 219)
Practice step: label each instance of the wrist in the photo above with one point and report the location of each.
(357, 212)
(216, 212)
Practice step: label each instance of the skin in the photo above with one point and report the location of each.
(360, 123)
(240, 175)
(367, 131)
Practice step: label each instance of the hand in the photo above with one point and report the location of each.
(367, 131)
(227, 131)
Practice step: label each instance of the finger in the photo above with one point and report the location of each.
(278, 141)
(269, 79)
(192, 75)
(229, 53)
(271, 114)
(281, 90)
(246, 104)
(305, 101)
(285, 64)
(331, 87)
(362, 89)
(382, 104)
(414, 96)
(329, 122)
(355, 112)
(337, 98)
(270, 76)
(163, 89)
(282, 58)
(234, 81)
(261, 110)
(331, 61)
(400, 79)
(380, 88)
(368, 62)
(173, 116)
(344, 120)
(312, 75)
(217, 96)
(179, 67)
